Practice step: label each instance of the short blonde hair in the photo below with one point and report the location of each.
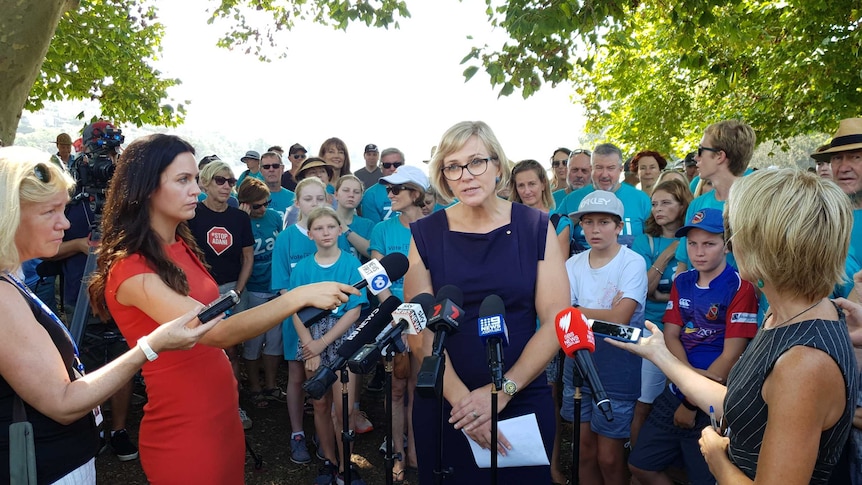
(27, 175)
(322, 211)
(791, 229)
(212, 169)
(453, 140)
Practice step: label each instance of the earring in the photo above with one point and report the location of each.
(497, 180)
(759, 283)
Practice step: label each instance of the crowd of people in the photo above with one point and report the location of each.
(726, 272)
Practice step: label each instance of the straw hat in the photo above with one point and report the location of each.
(847, 138)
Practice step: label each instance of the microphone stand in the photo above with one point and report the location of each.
(577, 382)
(495, 364)
(394, 345)
(430, 384)
(347, 434)
(493, 435)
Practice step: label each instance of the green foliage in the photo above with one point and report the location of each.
(103, 50)
(655, 73)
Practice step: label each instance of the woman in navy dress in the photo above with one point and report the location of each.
(485, 245)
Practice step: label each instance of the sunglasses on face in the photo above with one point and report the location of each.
(557, 163)
(258, 206)
(390, 165)
(396, 189)
(274, 166)
(221, 180)
(298, 156)
(701, 148)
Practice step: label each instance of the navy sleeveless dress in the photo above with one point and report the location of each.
(502, 262)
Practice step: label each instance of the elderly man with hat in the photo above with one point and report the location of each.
(370, 173)
(844, 154)
(64, 148)
(252, 160)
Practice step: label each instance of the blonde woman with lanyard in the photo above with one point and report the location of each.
(39, 362)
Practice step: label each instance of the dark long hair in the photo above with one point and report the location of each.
(338, 144)
(126, 220)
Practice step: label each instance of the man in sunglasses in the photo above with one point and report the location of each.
(577, 175)
(375, 203)
(722, 157)
(296, 154)
(370, 173)
(272, 169)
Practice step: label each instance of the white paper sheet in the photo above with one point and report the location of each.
(527, 446)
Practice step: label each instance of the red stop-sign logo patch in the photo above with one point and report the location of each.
(219, 239)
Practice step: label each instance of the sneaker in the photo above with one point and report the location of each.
(377, 380)
(244, 419)
(122, 446)
(299, 451)
(274, 394)
(326, 474)
(318, 451)
(363, 425)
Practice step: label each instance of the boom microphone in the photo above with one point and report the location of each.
(577, 341)
(394, 266)
(325, 377)
(408, 318)
(492, 330)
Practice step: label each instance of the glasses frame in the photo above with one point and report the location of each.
(397, 189)
(389, 165)
(268, 166)
(297, 156)
(230, 180)
(701, 148)
(467, 166)
(258, 206)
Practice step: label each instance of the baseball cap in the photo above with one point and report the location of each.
(95, 130)
(64, 139)
(296, 148)
(689, 160)
(406, 174)
(599, 201)
(371, 147)
(251, 154)
(709, 220)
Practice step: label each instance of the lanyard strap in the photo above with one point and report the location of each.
(26, 290)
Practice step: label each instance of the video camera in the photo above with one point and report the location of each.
(94, 168)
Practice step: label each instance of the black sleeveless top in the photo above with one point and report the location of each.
(59, 448)
(746, 412)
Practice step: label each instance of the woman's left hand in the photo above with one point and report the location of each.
(473, 415)
(713, 447)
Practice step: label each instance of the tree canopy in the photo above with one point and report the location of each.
(650, 74)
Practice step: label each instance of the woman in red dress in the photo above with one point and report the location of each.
(150, 271)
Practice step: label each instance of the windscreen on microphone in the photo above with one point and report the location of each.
(415, 313)
(396, 265)
(451, 293)
(369, 328)
(492, 322)
(573, 332)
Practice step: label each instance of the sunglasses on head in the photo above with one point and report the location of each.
(258, 206)
(393, 164)
(219, 180)
(268, 166)
(396, 189)
(42, 173)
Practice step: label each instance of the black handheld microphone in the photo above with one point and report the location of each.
(444, 320)
(323, 379)
(394, 267)
(408, 318)
(492, 330)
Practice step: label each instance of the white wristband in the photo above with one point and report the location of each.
(148, 351)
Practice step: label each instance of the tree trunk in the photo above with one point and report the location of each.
(26, 29)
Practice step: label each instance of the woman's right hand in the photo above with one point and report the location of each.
(181, 333)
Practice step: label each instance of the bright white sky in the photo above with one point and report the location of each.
(400, 88)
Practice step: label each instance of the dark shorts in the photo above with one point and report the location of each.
(661, 444)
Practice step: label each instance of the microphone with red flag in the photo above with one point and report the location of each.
(445, 319)
(577, 341)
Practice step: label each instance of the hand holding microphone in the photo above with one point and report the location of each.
(577, 341)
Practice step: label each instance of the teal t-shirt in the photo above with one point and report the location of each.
(343, 270)
(291, 246)
(390, 236)
(375, 204)
(281, 201)
(361, 226)
(265, 230)
(654, 310)
(258, 175)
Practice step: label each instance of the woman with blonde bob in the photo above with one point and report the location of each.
(463, 246)
(788, 405)
(39, 362)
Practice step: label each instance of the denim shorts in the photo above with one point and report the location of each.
(623, 410)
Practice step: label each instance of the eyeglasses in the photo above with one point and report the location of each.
(396, 189)
(274, 166)
(297, 156)
(393, 164)
(476, 167)
(557, 163)
(221, 180)
(258, 206)
(701, 148)
(42, 173)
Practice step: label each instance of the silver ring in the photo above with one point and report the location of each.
(475, 416)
